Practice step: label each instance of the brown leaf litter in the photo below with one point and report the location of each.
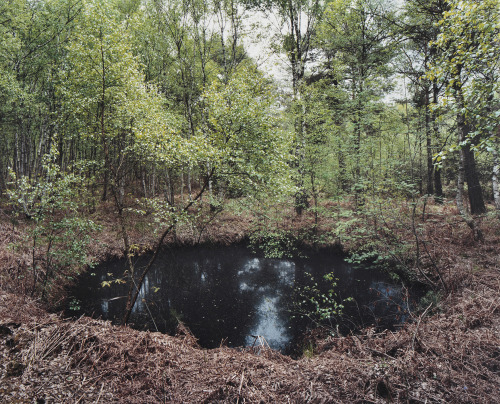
(447, 354)
(448, 357)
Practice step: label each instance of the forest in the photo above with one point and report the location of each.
(366, 127)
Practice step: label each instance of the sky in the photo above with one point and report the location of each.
(261, 32)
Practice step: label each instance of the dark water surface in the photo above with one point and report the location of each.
(231, 295)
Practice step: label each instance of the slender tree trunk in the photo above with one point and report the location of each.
(169, 188)
(344, 185)
(475, 192)
(494, 179)
(121, 190)
(464, 159)
(189, 183)
(182, 186)
(210, 185)
(301, 197)
(460, 185)
(297, 55)
(438, 186)
(476, 231)
(428, 143)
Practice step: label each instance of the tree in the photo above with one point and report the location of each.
(31, 52)
(355, 38)
(59, 234)
(101, 79)
(297, 23)
(250, 151)
(240, 143)
(418, 27)
(468, 63)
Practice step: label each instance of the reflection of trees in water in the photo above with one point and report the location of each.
(375, 301)
(205, 292)
(220, 293)
(227, 293)
(388, 305)
(271, 282)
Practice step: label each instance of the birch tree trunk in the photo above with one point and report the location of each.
(494, 179)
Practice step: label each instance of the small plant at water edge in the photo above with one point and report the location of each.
(323, 308)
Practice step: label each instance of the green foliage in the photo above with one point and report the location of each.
(468, 64)
(101, 80)
(275, 243)
(321, 306)
(146, 99)
(108, 283)
(58, 233)
(249, 149)
(75, 304)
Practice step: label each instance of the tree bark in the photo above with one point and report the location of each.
(475, 192)
(466, 169)
(428, 144)
(438, 185)
(494, 179)
(476, 200)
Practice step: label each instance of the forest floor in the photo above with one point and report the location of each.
(449, 352)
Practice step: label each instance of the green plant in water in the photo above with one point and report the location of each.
(74, 304)
(323, 308)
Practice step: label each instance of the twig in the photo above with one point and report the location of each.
(418, 325)
(241, 385)
(380, 353)
(435, 267)
(100, 393)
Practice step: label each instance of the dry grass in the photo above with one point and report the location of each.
(449, 353)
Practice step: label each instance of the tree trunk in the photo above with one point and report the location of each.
(344, 184)
(428, 144)
(438, 185)
(460, 184)
(475, 192)
(476, 200)
(301, 197)
(494, 179)
(298, 53)
(465, 159)
(189, 183)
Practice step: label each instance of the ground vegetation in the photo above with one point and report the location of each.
(127, 125)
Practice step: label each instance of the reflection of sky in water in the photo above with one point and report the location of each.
(105, 307)
(228, 293)
(387, 301)
(270, 324)
(286, 271)
(250, 266)
(269, 321)
(386, 290)
(139, 305)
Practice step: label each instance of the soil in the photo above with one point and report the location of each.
(449, 352)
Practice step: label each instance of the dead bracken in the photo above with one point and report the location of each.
(451, 354)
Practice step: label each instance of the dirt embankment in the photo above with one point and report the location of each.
(449, 353)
